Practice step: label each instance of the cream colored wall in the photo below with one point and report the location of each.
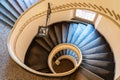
(111, 4)
(112, 34)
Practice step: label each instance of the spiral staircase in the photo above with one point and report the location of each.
(97, 57)
(98, 60)
(10, 10)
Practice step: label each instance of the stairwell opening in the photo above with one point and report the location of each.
(93, 45)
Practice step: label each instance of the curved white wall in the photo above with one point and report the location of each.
(112, 34)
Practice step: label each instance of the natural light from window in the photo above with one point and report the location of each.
(85, 14)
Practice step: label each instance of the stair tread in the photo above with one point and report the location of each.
(48, 41)
(58, 30)
(99, 56)
(52, 35)
(8, 7)
(101, 64)
(65, 28)
(33, 1)
(88, 74)
(107, 75)
(22, 4)
(6, 20)
(98, 41)
(92, 36)
(2, 22)
(78, 30)
(28, 3)
(43, 44)
(16, 6)
(7, 13)
(89, 28)
(99, 49)
(71, 31)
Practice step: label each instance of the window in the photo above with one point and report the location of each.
(85, 14)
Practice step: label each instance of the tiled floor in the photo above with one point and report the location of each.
(9, 70)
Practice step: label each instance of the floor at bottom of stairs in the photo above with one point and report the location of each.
(9, 70)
